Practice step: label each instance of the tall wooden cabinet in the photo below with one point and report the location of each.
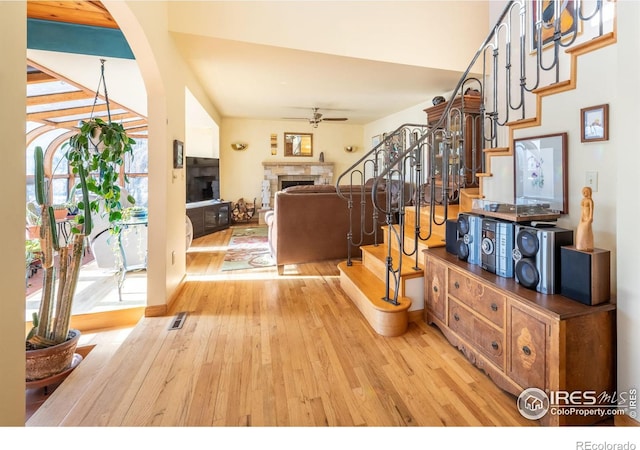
(465, 125)
(519, 337)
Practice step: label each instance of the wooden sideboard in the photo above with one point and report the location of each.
(209, 216)
(519, 337)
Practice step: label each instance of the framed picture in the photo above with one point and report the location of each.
(178, 154)
(540, 171)
(594, 123)
(544, 11)
(375, 140)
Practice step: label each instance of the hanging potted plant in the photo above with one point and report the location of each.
(95, 155)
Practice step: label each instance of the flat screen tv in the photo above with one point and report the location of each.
(203, 178)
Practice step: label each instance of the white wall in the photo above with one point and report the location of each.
(13, 42)
(624, 121)
(202, 133)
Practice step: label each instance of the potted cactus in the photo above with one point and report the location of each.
(95, 155)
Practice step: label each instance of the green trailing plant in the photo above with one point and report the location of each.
(95, 155)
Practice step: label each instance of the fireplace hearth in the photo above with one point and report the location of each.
(310, 172)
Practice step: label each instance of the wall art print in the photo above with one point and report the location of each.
(540, 171)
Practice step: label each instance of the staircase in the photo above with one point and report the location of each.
(386, 283)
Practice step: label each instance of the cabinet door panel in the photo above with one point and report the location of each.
(436, 285)
(528, 350)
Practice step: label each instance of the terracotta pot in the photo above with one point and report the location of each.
(33, 231)
(50, 361)
(60, 214)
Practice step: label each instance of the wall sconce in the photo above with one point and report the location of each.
(238, 146)
(350, 149)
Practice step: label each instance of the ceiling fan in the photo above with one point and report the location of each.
(317, 118)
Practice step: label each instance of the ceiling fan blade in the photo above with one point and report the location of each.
(294, 118)
(335, 119)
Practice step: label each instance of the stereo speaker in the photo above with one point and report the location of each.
(537, 257)
(585, 275)
(451, 236)
(469, 236)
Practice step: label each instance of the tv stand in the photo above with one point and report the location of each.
(209, 216)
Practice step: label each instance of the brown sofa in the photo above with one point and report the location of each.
(310, 223)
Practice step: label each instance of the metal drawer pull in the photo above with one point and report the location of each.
(456, 317)
(456, 284)
(526, 350)
(494, 307)
(494, 345)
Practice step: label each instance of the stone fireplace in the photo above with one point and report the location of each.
(297, 173)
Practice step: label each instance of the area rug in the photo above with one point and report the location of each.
(248, 249)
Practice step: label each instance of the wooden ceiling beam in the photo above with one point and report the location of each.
(89, 13)
(75, 111)
(39, 77)
(57, 98)
(74, 123)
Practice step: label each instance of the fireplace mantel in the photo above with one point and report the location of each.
(319, 172)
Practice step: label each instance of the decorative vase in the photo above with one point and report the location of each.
(47, 362)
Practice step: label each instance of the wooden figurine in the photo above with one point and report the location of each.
(584, 233)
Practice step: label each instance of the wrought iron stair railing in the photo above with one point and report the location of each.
(418, 157)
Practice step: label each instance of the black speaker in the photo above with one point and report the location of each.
(451, 236)
(469, 237)
(585, 275)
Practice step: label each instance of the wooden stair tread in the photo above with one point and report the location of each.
(425, 212)
(408, 262)
(372, 287)
(435, 240)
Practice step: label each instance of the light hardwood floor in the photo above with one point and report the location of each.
(258, 349)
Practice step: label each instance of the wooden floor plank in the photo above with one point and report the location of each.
(258, 349)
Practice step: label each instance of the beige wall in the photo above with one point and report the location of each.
(404, 32)
(603, 77)
(626, 189)
(13, 38)
(166, 77)
(241, 172)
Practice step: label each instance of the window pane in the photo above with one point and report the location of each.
(60, 190)
(138, 187)
(140, 161)
(60, 165)
(31, 189)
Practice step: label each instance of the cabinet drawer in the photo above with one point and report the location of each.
(486, 339)
(478, 297)
(436, 289)
(528, 350)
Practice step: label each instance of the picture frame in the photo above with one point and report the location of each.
(298, 144)
(178, 154)
(375, 140)
(540, 171)
(594, 123)
(567, 23)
